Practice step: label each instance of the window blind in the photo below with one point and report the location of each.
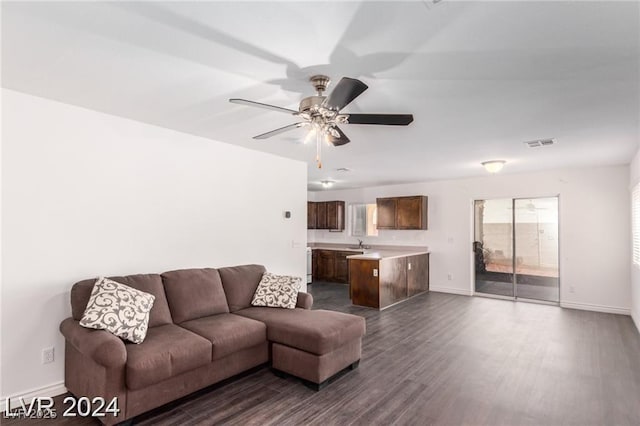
(635, 223)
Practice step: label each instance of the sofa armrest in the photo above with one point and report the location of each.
(305, 300)
(99, 345)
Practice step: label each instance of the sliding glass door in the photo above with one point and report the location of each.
(493, 247)
(516, 248)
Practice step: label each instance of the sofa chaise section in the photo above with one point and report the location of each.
(311, 345)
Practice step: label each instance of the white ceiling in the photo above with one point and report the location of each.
(480, 77)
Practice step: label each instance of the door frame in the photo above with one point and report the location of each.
(515, 297)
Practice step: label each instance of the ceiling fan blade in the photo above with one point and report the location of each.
(261, 105)
(384, 119)
(345, 91)
(280, 130)
(342, 140)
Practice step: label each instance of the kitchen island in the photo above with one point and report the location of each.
(381, 278)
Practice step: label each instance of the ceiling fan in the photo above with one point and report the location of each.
(323, 113)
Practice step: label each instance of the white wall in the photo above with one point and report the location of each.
(634, 178)
(594, 229)
(87, 194)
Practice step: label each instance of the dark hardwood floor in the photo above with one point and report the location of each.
(441, 359)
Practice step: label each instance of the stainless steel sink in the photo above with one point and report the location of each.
(363, 248)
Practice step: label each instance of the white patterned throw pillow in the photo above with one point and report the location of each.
(277, 291)
(119, 309)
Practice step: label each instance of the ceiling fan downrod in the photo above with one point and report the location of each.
(320, 83)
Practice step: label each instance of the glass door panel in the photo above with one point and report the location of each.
(493, 247)
(536, 249)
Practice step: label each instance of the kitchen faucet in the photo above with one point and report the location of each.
(360, 243)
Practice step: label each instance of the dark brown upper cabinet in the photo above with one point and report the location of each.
(326, 215)
(402, 212)
(312, 214)
(321, 216)
(386, 210)
(335, 215)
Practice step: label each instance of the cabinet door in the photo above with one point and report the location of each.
(342, 266)
(386, 210)
(315, 273)
(411, 212)
(321, 215)
(417, 274)
(312, 211)
(326, 265)
(335, 215)
(363, 282)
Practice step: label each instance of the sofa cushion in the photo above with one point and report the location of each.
(194, 293)
(167, 351)
(318, 331)
(228, 333)
(277, 291)
(240, 284)
(149, 283)
(121, 310)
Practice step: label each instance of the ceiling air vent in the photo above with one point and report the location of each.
(540, 142)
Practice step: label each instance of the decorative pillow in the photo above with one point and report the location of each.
(277, 291)
(119, 309)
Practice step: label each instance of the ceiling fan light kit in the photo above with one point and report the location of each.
(323, 113)
(493, 166)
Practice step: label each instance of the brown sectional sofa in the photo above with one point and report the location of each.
(203, 329)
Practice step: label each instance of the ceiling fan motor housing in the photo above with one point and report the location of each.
(311, 104)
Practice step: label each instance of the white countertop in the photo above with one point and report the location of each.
(376, 254)
(337, 248)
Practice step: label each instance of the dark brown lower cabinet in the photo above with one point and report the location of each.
(331, 265)
(381, 283)
(326, 265)
(342, 266)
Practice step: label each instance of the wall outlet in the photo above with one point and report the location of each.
(572, 289)
(48, 355)
(449, 277)
(409, 266)
(375, 272)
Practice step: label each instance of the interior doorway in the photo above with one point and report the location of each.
(516, 249)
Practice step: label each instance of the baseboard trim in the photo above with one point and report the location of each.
(51, 390)
(636, 320)
(450, 290)
(596, 308)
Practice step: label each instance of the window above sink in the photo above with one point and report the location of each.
(363, 219)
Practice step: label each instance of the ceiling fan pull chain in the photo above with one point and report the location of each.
(318, 149)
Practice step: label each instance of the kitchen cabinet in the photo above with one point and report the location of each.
(402, 212)
(326, 215)
(342, 266)
(386, 211)
(321, 216)
(331, 265)
(326, 265)
(312, 213)
(335, 215)
(380, 283)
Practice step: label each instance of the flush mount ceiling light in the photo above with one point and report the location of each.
(327, 183)
(493, 166)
